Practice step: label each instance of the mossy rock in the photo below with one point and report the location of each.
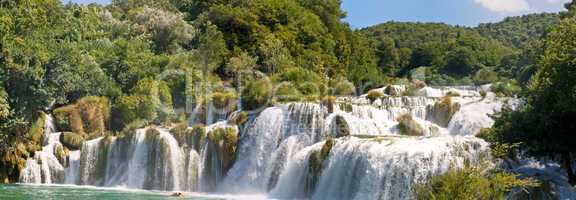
(33, 147)
(443, 111)
(61, 155)
(71, 140)
(36, 131)
(197, 137)
(452, 94)
(329, 102)
(228, 137)
(179, 132)
(131, 128)
(408, 126)
(341, 128)
(239, 118)
(316, 164)
(224, 100)
(152, 134)
(373, 95)
(88, 115)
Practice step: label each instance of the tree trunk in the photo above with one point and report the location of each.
(568, 166)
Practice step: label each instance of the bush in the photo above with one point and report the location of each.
(408, 126)
(287, 92)
(485, 76)
(342, 88)
(497, 149)
(470, 183)
(373, 95)
(256, 95)
(506, 88)
(224, 100)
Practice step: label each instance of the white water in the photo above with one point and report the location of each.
(274, 149)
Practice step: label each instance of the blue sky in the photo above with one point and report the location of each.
(362, 13)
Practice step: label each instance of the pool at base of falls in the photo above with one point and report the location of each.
(71, 192)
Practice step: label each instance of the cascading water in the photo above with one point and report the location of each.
(354, 150)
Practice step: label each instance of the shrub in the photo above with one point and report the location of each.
(373, 95)
(470, 183)
(408, 126)
(506, 88)
(497, 149)
(256, 95)
(223, 99)
(287, 92)
(485, 76)
(342, 88)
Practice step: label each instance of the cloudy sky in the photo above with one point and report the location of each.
(362, 13)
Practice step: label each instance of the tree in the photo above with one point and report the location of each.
(460, 62)
(544, 125)
(167, 30)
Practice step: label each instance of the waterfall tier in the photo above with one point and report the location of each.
(354, 150)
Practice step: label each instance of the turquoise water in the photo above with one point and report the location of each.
(64, 192)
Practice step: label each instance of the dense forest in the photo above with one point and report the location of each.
(54, 55)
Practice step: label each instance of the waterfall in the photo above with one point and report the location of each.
(45, 167)
(353, 149)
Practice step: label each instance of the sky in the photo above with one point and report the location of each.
(363, 13)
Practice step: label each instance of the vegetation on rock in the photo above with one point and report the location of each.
(470, 183)
(408, 126)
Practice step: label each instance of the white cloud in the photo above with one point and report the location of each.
(505, 6)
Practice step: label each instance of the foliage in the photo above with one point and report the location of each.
(506, 88)
(456, 51)
(470, 183)
(518, 31)
(256, 95)
(543, 126)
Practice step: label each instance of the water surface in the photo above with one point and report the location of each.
(68, 192)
